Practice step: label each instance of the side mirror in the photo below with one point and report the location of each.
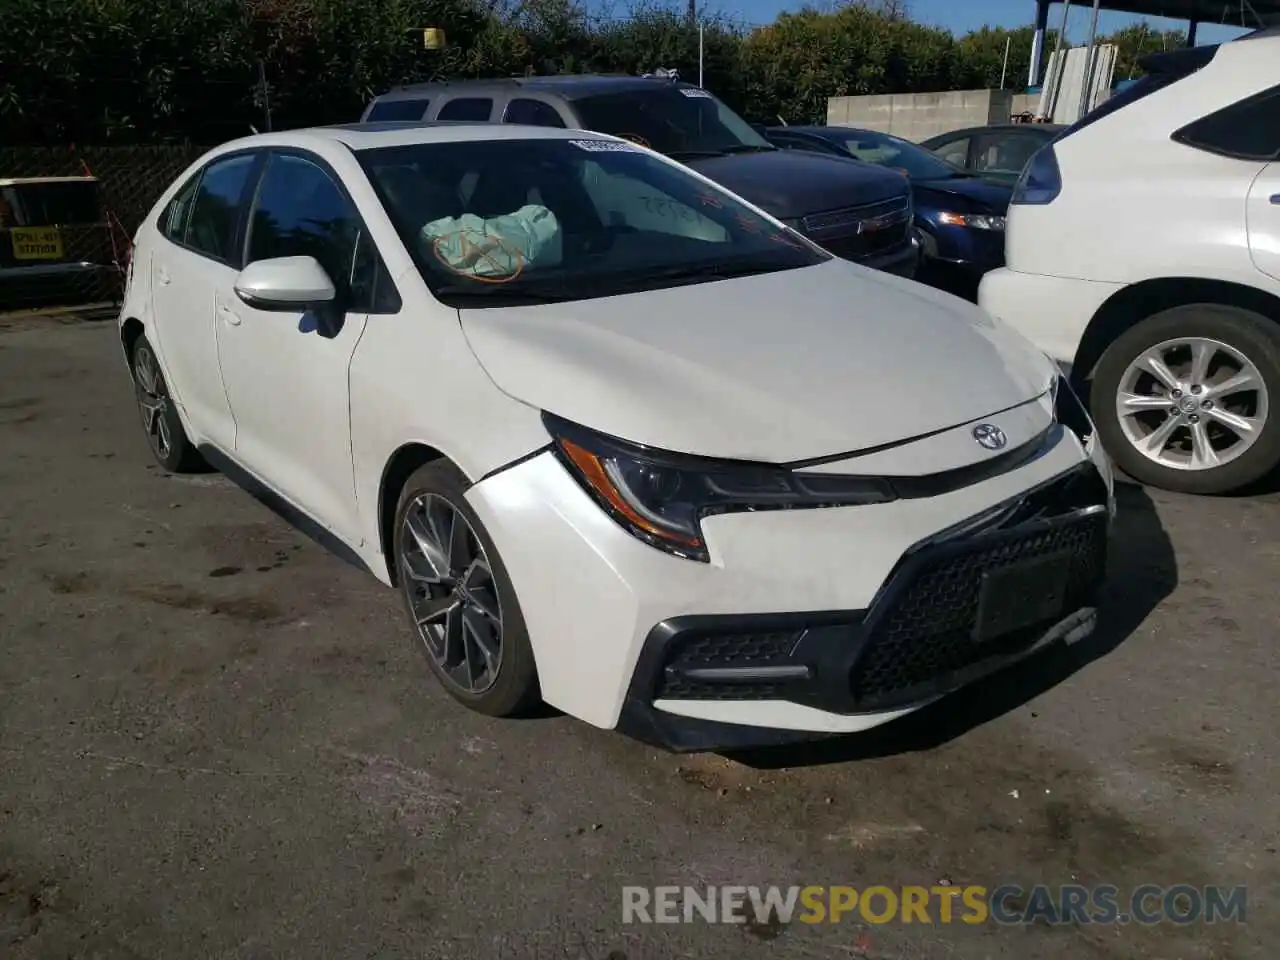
(285, 283)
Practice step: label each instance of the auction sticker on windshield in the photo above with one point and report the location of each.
(604, 146)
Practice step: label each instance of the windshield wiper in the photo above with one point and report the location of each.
(718, 271)
(497, 291)
(749, 148)
(694, 154)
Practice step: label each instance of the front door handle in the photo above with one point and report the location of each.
(229, 315)
(1275, 198)
(162, 275)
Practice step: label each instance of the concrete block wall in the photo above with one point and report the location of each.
(915, 116)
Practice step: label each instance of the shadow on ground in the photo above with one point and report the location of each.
(1142, 571)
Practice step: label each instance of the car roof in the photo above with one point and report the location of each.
(368, 136)
(570, 87)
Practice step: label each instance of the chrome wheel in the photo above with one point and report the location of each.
(1192, 403)
(449, 584)
(153, 400)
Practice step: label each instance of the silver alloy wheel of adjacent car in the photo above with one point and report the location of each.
(452, 592)
(153, 400)
(1192, 403)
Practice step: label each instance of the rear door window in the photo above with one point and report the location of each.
(216, 209)
(1246, 130)
(536, 113)
(173, 223)
(398, 110)
(1005, 152)
(473, 109)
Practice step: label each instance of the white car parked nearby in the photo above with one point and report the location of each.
(1143, 249)
(625, 443)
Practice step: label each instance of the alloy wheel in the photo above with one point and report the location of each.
(452, 595)
(153, 400)
(1192, 403)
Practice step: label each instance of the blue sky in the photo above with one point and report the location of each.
(963, 15)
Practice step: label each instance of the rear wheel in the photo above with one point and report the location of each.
(462, 607)
(1183, 400)
(168, 440)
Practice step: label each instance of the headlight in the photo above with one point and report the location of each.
(976, 221)
(662, 497)
(1070, 412)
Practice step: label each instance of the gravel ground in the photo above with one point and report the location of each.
(217, 741)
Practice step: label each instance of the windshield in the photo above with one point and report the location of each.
(679, 121)
(902, 155)
(530, 220)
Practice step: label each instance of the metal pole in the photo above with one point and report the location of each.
(1058, 72)
(1004, 70)
(699, 55)
(262, 85)
(1086, 88)
(1037, 43)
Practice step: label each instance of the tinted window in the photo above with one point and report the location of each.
(495, 220)
(398, 110)
(901, 155)
(215, 213)
(534, 112)
(173, 222)
(670, 119)
(955, 152)
(301, 212)
(475, 109)
(1247, 130)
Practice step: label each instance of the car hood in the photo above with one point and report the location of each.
(796, 183)
(975, 195)
(772, 368)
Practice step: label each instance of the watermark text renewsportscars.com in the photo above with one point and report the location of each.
(1008, 904)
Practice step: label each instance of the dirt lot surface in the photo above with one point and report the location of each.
(217, 741)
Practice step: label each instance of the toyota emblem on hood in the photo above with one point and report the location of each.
(990, 436)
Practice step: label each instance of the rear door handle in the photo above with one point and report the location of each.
(162, 275)
(1275, 198)
(229, 315)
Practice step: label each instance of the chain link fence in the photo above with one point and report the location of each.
(67, 218)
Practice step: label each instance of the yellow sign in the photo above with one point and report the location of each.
(432, 38)
(36, 243)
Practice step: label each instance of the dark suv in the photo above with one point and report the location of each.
(857, 211)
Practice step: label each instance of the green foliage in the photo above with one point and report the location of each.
(110, 71)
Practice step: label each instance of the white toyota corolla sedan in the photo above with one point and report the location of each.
(624, 443)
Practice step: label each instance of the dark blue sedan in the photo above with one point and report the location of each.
(960, 217)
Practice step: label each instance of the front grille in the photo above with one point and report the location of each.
(850, 217)
(867, 245)
(718, 650)
(927, 632)
(855, 233)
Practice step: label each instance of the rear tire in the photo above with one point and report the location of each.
(1171, 367)
(462, 608)
(169, 443)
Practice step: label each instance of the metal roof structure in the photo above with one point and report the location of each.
(1233, 13)
(1247, 14)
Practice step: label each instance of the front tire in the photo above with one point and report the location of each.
(1185, 400)
(463, 612)
(168, 440)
